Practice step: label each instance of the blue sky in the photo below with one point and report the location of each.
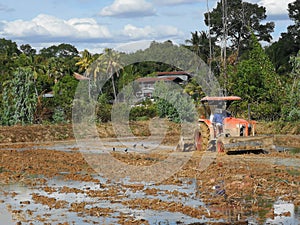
(121, 24)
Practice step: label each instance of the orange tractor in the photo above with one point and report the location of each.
(219, 131)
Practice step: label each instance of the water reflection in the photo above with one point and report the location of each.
(284, 213)
(19, 205)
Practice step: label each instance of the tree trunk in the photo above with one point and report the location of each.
(114, 88)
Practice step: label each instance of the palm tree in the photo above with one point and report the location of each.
(194, 42)
(110, 61)
(84, 61)
(200, 44)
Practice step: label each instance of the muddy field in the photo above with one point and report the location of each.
(54, 180)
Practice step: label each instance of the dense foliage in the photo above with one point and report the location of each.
(19, 98)
(39, 87)
(239, 18)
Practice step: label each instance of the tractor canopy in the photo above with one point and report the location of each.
(219, 102)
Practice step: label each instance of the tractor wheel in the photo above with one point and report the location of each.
(202, 137)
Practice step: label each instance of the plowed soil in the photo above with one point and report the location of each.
(233, 187)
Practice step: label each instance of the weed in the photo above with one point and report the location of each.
(2, 169)
(293, 172)
(295, 151)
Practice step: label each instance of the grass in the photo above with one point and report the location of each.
(266, 205)
(2, 169)
(295, 151)
(293, 172)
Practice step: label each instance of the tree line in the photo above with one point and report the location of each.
(266, 76)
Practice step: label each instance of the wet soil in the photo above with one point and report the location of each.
(64, 189)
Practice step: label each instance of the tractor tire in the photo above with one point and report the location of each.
(202, 137)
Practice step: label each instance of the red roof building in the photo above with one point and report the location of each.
(147, 83)
(80, 77)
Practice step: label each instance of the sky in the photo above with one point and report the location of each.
(125, 25)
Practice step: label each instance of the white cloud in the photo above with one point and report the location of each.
(176, 2)
(275, 7)
(90, 28)
(149, 32)
(133, 46)
(53, 28)
(128, 8)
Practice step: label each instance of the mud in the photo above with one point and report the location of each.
(48, 182)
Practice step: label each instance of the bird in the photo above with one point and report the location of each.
(134, 145)
(126, 150)
(114, 149)
(144, 146)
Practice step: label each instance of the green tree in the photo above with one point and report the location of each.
(27, 50)
(103, 109)
(60, 60)
(8, 47)
(288, 44)
(291, 106)
(57, 68)
(194, 90)
(62, 51)
(240, 17)
(8, 52)
(19, 98)
(128, 74)
(111, 63)
(281, 51)
(64, 92)
(255, 80)
(294, 14)
(199, 43)
(84, 61)
(173, 104)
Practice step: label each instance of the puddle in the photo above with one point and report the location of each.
(107, 145)
(18, 200)
(22, 207)
(284, 213)
(105, 202)
(5, 216)
(18, 204)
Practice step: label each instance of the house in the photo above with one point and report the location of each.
(184, 76)
(146, 84)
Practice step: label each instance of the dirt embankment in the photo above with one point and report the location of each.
(278, 127)
(58, 132)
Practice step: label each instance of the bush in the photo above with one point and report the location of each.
(142, 112)
(19, 98)
(59, 116)
(103, 109)
(294, 115)
(64, 92)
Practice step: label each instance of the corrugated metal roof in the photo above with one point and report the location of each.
(220, 98)
(80, 77)
(173, 73)
(155, 79)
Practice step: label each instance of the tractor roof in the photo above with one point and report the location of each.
(220, 98)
